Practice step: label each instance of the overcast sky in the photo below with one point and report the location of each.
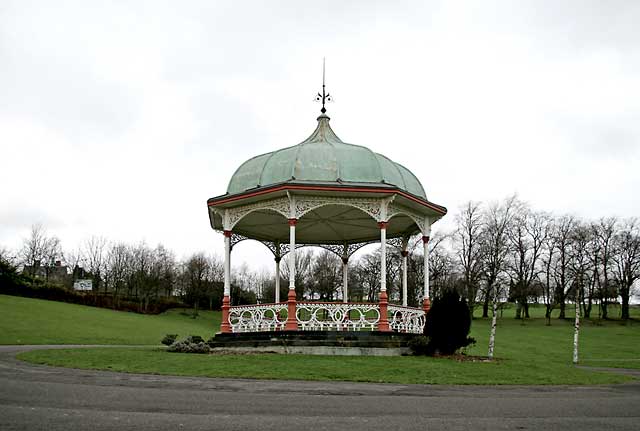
(120, 119)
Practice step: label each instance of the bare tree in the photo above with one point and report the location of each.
(367, 272)
(118, 269)
(196, 278)
(326, 276)
(547, 259)
(303, 271)
(580, 266)
(563, 236)
(468, 249)
(526, 236)
(495, 248)
(604, 232)
(40, 250)
(627, 261)
(165, 270)
(441, 264)
(94, 258)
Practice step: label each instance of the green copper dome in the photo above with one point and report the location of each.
(323, 157)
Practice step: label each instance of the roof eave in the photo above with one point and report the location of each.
(345, 187)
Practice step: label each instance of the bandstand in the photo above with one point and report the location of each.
(327, 193)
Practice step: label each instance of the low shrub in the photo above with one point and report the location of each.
(419, 345)
(195, 339)
(184, 346)
(169, 339)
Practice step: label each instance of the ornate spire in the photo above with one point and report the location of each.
(324, 97)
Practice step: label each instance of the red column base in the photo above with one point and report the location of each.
(225, 327)
(292, 321)
(383, 324)
(426, 305)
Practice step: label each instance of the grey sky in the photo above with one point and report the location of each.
(121, 118)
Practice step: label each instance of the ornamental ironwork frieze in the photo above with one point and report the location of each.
(419, 219)
(234, 215)
(371, 206)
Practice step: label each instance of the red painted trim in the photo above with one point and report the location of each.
(383, 323)
(225, 327)
(227, 233)
(329, 188)
(293, 221)
(425, 239)
(383, 224)
(404, 253)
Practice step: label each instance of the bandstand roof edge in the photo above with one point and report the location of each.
(327, 215)
(366, 189)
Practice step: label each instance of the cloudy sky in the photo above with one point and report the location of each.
(120, 119)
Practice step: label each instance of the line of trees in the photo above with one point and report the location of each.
(509, 251)
(498, 252)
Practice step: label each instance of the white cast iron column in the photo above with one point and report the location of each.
(426, 302)
(277, 298)
(383, 324)
(405, 253)
(226, 299)
(345, 278)
(292, 321)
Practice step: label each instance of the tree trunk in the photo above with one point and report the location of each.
(485, 306)
(492, 337)
(518, 310)
(576, 334)
(603, 306)
(624, 293)
(562, 307)
(547, 315)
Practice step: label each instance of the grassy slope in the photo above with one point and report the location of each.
(35, 321)
(529, 352)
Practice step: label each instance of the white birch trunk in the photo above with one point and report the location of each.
(492, 337)
(576, 334)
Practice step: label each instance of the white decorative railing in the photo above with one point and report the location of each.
(406, 319)
(325, 316)
(258, 318)
(345, 316)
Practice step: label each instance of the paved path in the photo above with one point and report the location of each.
(39, 397)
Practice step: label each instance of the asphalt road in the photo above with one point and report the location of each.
(47, 398)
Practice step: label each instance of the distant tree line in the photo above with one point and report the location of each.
(498, 252)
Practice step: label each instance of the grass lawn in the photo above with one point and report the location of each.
(528, 352)
(35, 321)
(403, 369)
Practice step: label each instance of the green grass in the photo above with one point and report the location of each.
(404, 369)
(527, 352)
(35, 321)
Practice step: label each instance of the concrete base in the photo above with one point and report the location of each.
(316, 350)
(352, 343)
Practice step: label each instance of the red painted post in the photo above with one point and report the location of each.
(225, 327)
(292, 321)
(383, 324)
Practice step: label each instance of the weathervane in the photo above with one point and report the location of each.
(324, 97)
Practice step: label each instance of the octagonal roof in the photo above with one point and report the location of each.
(323, 157)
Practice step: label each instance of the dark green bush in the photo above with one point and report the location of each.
(169, 339)
(448, 324)
(194, 339)
(419, 345)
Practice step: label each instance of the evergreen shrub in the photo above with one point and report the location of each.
(447, 325)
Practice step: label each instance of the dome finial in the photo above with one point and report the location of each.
(324, 97)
